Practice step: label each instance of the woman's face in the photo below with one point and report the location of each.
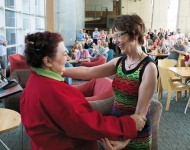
(79, 46)
(102, 32)
(58, 63)
(122, 40)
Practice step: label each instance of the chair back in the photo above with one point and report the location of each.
(13, 101)
(98, 61)
(165, 63)
(155, 115)
(17, 61)
(180, 61)
(110, 55)
(164, 77)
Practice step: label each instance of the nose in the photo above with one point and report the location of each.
(117, 41)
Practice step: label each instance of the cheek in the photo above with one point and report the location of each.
(62, 61)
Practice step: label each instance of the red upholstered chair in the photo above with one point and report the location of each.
(17, 61)
(95, 62)
(99, 93)
(96, 89)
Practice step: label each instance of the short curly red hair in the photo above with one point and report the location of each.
(39, 45)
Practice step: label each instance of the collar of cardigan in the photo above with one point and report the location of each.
(48, 73)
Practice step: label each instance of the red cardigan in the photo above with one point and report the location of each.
(57, 116)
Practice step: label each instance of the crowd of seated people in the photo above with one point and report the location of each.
(100, 44)
(173, 43)
(152, 39)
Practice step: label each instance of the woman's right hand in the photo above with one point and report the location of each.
(113, 145)
(140, 121)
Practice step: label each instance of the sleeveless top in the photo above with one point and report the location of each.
(126, 86)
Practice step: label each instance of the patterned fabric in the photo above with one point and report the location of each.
(126, 86)
(103, 106)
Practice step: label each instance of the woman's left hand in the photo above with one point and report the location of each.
(113, 145)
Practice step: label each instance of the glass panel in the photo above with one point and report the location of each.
(40, 24)
(25, 6)
(10, 51)
(10, 18)
(40, 7)
(37, 11)
(11, 36)
(26, 22)
(10, 4)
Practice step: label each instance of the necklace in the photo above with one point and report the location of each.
(129, 65)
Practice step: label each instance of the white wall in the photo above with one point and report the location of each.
(143, 8)
(160, 14)
(69, 18)
(184, 16)
(90, 5)
(153, 19)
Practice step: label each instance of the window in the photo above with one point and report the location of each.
(11, 50)
(10, 18)
(10, 4)
(26, 22)
(40, 7)
(40, 24)
(26, 6)
(172, 14)
(11, 36)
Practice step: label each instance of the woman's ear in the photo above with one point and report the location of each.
(47, 61)
(136, 37)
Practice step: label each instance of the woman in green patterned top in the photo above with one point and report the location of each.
(134, 82)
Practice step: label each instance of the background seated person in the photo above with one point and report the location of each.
(102, 36)
(150, 42)
(86, 43)
(186, 43)
(187, 61)
(90, 41)
(176, 50)
(99, 50)
(82, 54)
(74, 49)
(169, 42)
(155, 43)
(162, 48)
(105, 45)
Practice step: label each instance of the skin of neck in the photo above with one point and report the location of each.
(134, 53)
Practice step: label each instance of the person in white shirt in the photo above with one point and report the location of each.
(188, 36)
(179, 35)
(95, 35)
(3, 44)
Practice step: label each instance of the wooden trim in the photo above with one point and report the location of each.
(50, 15)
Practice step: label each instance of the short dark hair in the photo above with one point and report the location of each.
(39, 45)
(133, 24)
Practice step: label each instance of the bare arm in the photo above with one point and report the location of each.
(172, 50)
(86, 60)
(181, 52)
(146, 89)
(86, 73)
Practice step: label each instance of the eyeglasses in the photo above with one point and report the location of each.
(65, 53)
(118, 36)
